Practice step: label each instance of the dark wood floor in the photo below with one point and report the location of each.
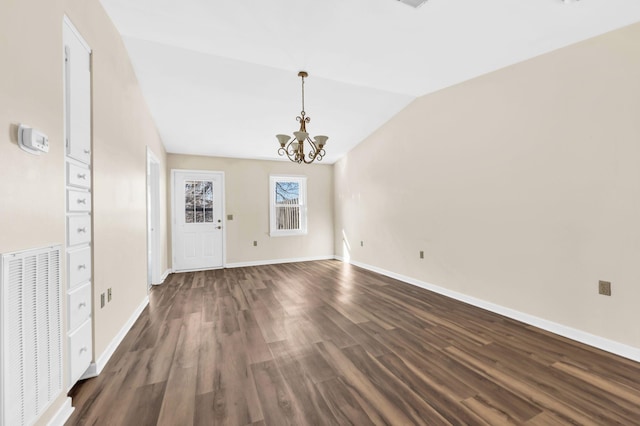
(329, 343)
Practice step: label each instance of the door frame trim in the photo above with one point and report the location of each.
(153, 220)
(173, 215)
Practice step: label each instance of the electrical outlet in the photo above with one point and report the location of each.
(421, 254)
(229, 217)
(604, 288)
(361, 243)
(102, 300)
(255, 243)
(109, 295)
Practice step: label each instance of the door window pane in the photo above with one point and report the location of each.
(198, 201)
(189, 203)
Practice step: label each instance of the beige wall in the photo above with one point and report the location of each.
(521, 186)
(247, 199)
(31, 92)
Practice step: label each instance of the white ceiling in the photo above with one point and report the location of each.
(220, 76)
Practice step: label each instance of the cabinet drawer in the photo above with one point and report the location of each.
(80, 351)
(78, 201)
(78, 176)
(79, 305)
(80, 138)
(79, 266)
(78, 230)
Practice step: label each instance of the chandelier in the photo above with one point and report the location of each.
(294, 148)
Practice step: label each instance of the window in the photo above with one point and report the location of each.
(288, 199)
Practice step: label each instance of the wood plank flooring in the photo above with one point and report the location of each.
(319, 343)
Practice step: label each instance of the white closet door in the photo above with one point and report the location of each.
(78, 80)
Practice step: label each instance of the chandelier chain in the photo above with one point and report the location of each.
(303, 113)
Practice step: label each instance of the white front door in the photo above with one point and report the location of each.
(198, 199)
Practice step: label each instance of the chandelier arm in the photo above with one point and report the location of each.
(288, 151)
(314, 147)
(319, 154)
(292, 157)
(293, 154)
(311, 156)
(316, 153)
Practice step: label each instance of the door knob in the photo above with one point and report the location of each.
(218, 227)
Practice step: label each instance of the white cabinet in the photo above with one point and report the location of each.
(77, 85)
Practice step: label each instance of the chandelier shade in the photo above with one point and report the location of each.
(294, 147)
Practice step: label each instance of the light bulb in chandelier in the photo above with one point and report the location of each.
(321, 140)
(301, 136)
(294, 147)
(283, 139)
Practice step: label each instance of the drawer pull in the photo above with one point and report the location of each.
(83, 229)
(82, 176)
(82, 305)
(83, 349)
(82, 201)
(87, 151)
(83, 266)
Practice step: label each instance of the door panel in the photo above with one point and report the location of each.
(78, 100)
(198, 207)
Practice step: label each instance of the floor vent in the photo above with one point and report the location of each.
(413, 3)
(31, 334)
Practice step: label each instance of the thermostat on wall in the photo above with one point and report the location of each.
(32, 140)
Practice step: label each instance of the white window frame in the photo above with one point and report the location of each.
(302, 203)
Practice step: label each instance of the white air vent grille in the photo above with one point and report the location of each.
(31, 344)
(413, 3)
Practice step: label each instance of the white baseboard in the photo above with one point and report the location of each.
(63, 414)
(598, 342)
(96, 367)
(277, 261)
(163, 277)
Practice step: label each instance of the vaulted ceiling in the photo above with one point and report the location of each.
(220, 76)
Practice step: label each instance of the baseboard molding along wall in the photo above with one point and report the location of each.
(598, 342)
(96, 368)
(163, 277)
(277, 261)
(63, 414)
